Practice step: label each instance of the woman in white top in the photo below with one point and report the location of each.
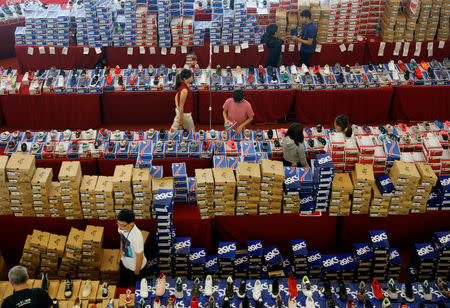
(341, 124)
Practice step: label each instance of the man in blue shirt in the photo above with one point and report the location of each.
(307, 37)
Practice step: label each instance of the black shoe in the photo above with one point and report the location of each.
(407, 74)
(274, 76)
(97, 144)
(23, 147)
(55, 303)
(162, 134)
(311, 143)
(277, 144)
(275, 288)
(331, 303)
(322, 140)
(196, 286)
(269, 70)
(320, 78)
(327, 289)
(244, 303)
(382, 130)
(347, 68)
(279, 302)
(226, 303)
(270, 134)
(342, 291)
(251, 70)
(44, 282)
(409, 294)
(431, 74)
(242, 289)
(94, 80)
(368, 304)
(319, 128)
(68, 287)
(218, 70)
(49, 81)
(259, 303)
(229, 292)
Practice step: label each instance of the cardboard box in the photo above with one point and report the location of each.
(272, 171)
(3, 163)
(75, 241)
(42, 179)
(56, 245)
(104, 188)
(162, 183)
(342, 184)
(88, 185)
(93, 237)
(121, 179)
(141, 180)
(427, 175)
(20, 167)
(70, 172)
(247, 173)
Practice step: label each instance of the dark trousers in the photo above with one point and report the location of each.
(304, 58)
(127, 277)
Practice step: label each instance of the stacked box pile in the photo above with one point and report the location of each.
(344, 19)
(212, 266)
(151, 30)
(433, 20)
(281, 21)
(424, 260)
(164, 23)
(141, 31)
(87, 196)
(443, 193)
(347, 267)
(188, 9)
(432, 150)
(5, 208)
(20, 169)
(180, 181)
(118, 37)
(90, 7)
(197, 259)
(300, 253)
(205, 192)
(371, 12)
(428, 180)
(163, 205)
(323, 24)
(123, 193)
(292, 189)
(323, 173)
(422, 20)
(240, 18)
(255, 258)
(248, 176)
(337, 147)
(19, 36)
(176, 30)
(341, 189)
(363, 256)
(241, 265)
(73, 254)
(411, 20)
(182, 250)
(41, 26)
(273, 8)
(188, 32)
(104, 198)
(55, 251)
(272, 178)
(41, 184)
(314, 264)
(106, 24)
(444, 21)
(200, 30)
(400, 27)
(54, 198)
(142, 193)
(109, 268)
(192, 188)
(158, 182)
(380, 248)
(273, 262)
(441, 241)
(52, 28)
(91, 260)
(250, 29)
(363, 181)
(405, 178)
(331, 267)
(383, 190)
(227, 28)
(315, 12)
(394, 265)
(70, 180)
(307, 204)
(63, 26)
(226, 255)
(224, 191)
(216, 28)
(81, 28)
(35, 245)
(389, 20)
(129, 32)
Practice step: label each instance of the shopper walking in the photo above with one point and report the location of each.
(183, 101)
(294, 153)
(273, 44)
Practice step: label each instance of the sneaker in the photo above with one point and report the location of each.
(229, 292)
(278, 302)
(195, 292)
(244, 303)
(282, 69)
(194, 302)
(304, 69)
(351, 304)
(418, 72)
(87, 289)
(143, 288)
(331, 303)
(259, 303)
(179, 288)
(326, 70)
(171, 301)
(377, 290)
(368, 304)
(44, 282)
(424, 65)
(211, 302)
(427, 291)
(361, 295)
(77, 303)
(292, 284)
(157, 303)
(257, 289)
(326, 289)
(391, 288)
(207, 291)
(342, 291)
(431, 74)
(275, 288)
(306, 286)
(447, 63)
(386, 303)
(142, 303)
(128, 298)
(226, 303)
(293, 69)
(242, 289)
(309, 303)
(68, 287)
(292, 303)
(55, 303)
(409, 294)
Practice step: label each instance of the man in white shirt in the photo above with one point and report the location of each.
(132, 259)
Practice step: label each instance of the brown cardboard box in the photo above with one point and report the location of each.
(39, 240)
(427, 175)
(110, 260)
(272, 170)
(42, 179)
(75, 241)
(247, 173)
(56, 245)
(141, 180)
(104, 187)
(363, 174)
(76, 285)
(342, 183)
(3, 163)
(93, 237)
(70, 172)
(87, 188)
(20, 167)
(92, 298)
(204, 178)
(162, 183)
(122, 178)
(223, 177)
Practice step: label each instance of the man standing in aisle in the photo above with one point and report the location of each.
(237, 112)
(132, 259)
(307, 37)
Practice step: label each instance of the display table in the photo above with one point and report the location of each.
(7, 36)
(421, 103)
(360, 105)
(268, 106)
(74, 58)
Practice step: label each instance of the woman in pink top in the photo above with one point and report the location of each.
(237, 111)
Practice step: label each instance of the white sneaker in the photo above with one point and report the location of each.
(292, 303)
(309, 303)
(282, 69)
(144, 288)
(157, 303)
(257, 288)
(161, 285)
(293, 69)
(326, 70)
(60, 82)
(87, 288)
(304, 69)
(395, 75)
(306, 287)
(239, 79)
(391, 65)
(208, 286)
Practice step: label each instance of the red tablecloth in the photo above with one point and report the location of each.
(49, 111)
(119, 56)
(360, 105)
(421, 103)
(373, 46)
(7, 38)
(268, 106)
(134, 108)
(74, 58)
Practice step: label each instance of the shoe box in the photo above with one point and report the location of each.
(380, 248)
(405, 178)
(163, 206)
(331, 267)
(424, 260)
(381, 199)
(226, 254)
(441, 241)
(347, 267)
(272, 177)
(300, 254)
(40, 187)
(341, 188)
(89, 267)
(315, 266)
(273, 261)
(197, 260)
(323, 173)
(363, 181)
(224, 191)
(121, 182)
(179, 174)
(255, 258)
(248, 176)
(394, 265)
(241, 264)
(205, 192)
(192, 195)
(109, 268)
(87, 196)
(428, 180)
(182, 248)
(104, 197)
(142, 193)
(70, 178)
(220, 161)
(443, 189)
(292, 189)
(4, 192)
(55, 251)
(363, 256)
(212, 266)
(160, 183)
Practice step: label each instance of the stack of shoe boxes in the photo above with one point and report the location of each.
(272, 177)
(273, 261)
(109, 268)
(324, 21)
(212, 266)
(158, 182)
(363, 256)
(307, 204)
(54, 198)
(192, 188)
(441, 194)
(73, 254)
(87, 196)
(63, 26)
(123, 193)
(363, 180)
(188, 32)
(389, 19)
(55, 251)
(216, 26)
(395, 265)
(205, 192)
(331, 267)
(428, 180)
(163, 206)
(444, 22)
(40, 186)
(300, 253)
(347, 267)
(241, 265)
(227, 29)
(5, 208)
(91, 260)
(281, 21)
(141, 33)
(255, 258)
(151, 28)
(226, 255)
(104, 198)
(224, 191)
(400, 26)
(411, 19)
(405, 178)
(130, 23)
(39, 241)
(20, 170)
(383, 190)
(142, 192)
(70, 180)
(248, 177)
(182, 250)
(240, 16)
(197, 259)
(292, 188)
(380, 248)
(432, 150)
(179, 174)
(323, 173)
(106, 24)
(342, 187)
(424, 260)
(35, 244)
(175, 26)
(314, 265)
(433, 20)
(337, 145)
(441, 241)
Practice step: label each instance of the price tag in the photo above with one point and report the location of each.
(350, 47)
(441, 44)
(291, 47)
(226, 49)
(173, 50)
(64, 51)
(42, 50)
(51, 50)
(397, 47)
(318, 48)
(85, 50)
(142, 50)
(30, 51)
(430, 52)
(406, 49)
(130, 51)
(216, 49)
(244, 45)
(98, 50)
(283, 47)
(430, 45)
(418, 49)
(260, 48)
(342, 47)
(183, 49)
(152, 50)
(164, 51)
(237, 49)
(381, 49)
